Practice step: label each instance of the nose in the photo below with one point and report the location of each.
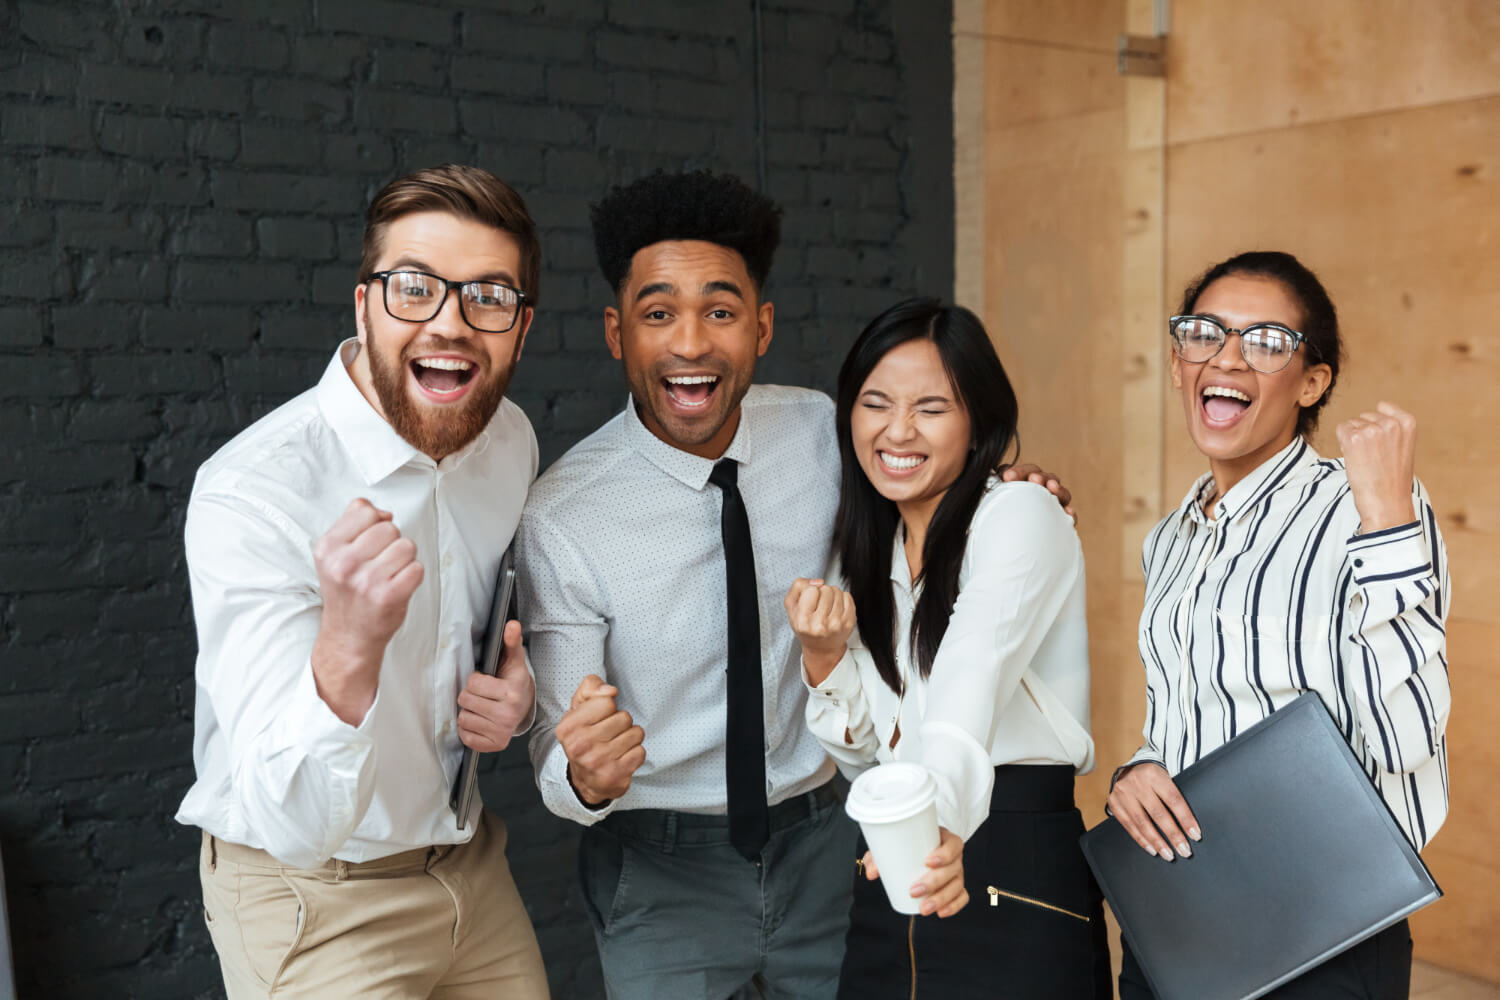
(689, 339)
(902, 426)
(1230, 357)
(450, 316)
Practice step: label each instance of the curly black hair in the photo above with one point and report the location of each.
(697, 205)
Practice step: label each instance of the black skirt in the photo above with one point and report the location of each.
(1034, 925)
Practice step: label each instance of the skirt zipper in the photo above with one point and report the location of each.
(995, 895)
(911, 950)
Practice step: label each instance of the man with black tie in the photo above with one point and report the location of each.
(653, 560)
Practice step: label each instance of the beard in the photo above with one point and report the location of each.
(433, 430)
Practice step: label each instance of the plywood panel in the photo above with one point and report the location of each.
(1033, 83)
(1069, 23)
(1460, 931)
(1416, 280)
(1237, 68)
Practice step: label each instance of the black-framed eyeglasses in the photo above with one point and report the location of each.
(1266, 347)
(416, 297)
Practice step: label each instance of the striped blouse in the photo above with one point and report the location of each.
(1277, 595)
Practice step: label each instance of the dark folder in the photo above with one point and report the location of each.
(461, 798)
(1300, 859)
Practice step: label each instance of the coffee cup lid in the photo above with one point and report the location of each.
(890, 793)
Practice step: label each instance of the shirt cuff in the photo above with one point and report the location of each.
(1398, 553)
(558, 794)
(840, 685)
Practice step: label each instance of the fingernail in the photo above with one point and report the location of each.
(1184, 850)
(1151, 851)
(1166, 854)
(1193, 832)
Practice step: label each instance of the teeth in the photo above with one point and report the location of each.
(445, 364)
(904, 462)
(691, 379)
(1220, 390)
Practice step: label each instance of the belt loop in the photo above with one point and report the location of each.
(671, 833)
(213, 854)
(340, 869)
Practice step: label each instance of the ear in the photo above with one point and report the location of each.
(527, 314)
(764, 317)
(1174, 365)
(612, 331)
(359, 314)
(1315, 382)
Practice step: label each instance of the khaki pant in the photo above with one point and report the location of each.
(442, 922)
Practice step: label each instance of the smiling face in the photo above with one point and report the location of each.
(1239, 417)
(909, 430)
(438, 382)
(688, 328)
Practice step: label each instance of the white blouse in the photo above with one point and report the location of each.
(1010, 683)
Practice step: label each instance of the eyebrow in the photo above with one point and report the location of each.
(407, 261)
(919, 402)
(709, 288)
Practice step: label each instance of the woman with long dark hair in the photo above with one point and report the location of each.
(970, 658)
(1283, 572)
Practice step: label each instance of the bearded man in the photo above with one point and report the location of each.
(342, 552)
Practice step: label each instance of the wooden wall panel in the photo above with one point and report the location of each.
(1246, 67)
(1460, 931)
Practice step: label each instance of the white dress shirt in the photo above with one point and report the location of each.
(621, 574)
(276, 769)
(1278, 595)
(1010, 682)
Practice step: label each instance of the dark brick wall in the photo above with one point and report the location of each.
(181, 183)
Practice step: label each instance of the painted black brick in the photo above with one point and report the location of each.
(181, 192)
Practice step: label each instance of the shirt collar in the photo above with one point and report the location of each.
(372, 443)
(1248, 493)
(685, 467)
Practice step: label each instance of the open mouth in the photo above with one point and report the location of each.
(900, 464)
(691, 392)
(1222, 405)
(443, 377)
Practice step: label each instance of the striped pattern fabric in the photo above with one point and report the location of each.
(1279, 594)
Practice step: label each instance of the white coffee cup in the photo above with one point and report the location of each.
(895, 806)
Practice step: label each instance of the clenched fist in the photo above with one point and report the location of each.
(367, 573)
(603, 745)
(823, 618)
(1379, 460)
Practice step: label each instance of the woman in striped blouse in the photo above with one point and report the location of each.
(1283, 572)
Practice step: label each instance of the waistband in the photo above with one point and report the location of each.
(667, 826)
(1032, 788)
(337, 869)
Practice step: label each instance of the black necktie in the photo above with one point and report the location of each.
(745, 731)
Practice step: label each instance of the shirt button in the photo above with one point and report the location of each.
(447, 560)
(447, 728)
(444, 643)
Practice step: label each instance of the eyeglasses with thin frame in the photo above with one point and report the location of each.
(1266, 347)
(416, 297)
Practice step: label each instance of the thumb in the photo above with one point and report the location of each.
(515, 657)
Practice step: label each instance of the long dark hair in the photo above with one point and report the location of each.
(865, 529)
(1320, 320)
